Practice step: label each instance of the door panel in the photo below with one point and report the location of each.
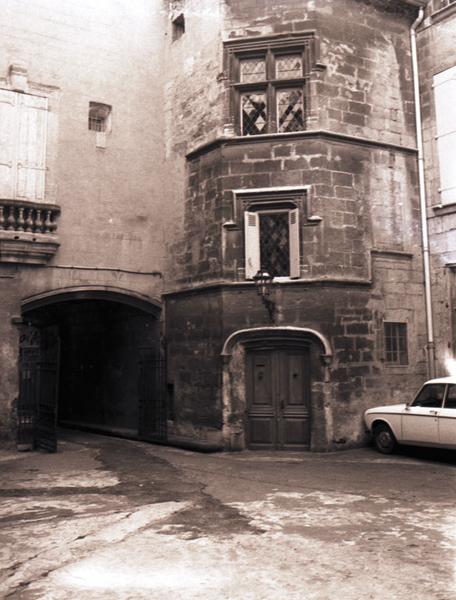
(420, 420)
(278, 399)
(262, 428)
(48, 370)
(447, 418)
(420, 424)
(294, 410)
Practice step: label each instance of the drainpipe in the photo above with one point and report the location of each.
(430, 346)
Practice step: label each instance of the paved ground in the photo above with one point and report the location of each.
(107, 518)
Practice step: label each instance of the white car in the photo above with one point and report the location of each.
(430, 420)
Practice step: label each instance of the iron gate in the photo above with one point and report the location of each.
(38, 388)
(152, 397)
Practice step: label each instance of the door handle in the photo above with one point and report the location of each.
(433, 412)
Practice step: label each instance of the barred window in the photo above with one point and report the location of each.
(396, 352)
(269, 85)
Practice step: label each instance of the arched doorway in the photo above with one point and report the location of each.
(274, 384)
(90, 358)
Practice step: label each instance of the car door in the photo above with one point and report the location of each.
(447, 419)
(420, 424)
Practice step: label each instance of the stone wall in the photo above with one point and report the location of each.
(436, 43)
(361, 263)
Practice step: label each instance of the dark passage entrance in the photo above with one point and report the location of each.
(96, 365)
(278, 392)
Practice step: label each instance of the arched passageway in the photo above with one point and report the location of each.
(91, 358)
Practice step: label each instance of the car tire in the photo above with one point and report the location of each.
(384, 439)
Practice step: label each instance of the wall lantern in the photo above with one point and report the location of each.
(263, 282)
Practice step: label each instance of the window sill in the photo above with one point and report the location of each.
(444, 209)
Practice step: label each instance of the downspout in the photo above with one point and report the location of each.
(430, 346)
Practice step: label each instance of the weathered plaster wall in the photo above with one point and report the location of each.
(110, 230)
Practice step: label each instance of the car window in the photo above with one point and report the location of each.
(430, 396)
(450, 401)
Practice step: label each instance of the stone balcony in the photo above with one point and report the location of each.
(28, 231)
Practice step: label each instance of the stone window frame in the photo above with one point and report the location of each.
(270, 47)
(268, 199)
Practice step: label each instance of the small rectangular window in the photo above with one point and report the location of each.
(396, 352)
(178, 27)
(99, 116)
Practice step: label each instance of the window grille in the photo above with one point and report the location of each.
(290, 110)
(275, 243)
(254, 113)
(396, 352)
(272, 241)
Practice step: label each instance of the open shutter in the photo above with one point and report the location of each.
(252, 244)
(31, 150)
(8, 112)
(295, 259)
(445, 109)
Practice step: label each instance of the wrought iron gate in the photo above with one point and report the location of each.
(38, 388)
(152, 397)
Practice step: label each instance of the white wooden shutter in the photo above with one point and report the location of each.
(445, 109)
(31, 147)
(295, 258)
(8, 113)
(252, 243)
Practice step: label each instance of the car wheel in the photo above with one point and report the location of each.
(385, 442)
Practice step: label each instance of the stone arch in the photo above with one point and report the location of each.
(92, 292)
(96, 357)
(234, 382)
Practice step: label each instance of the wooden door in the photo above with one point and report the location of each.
(278, 393)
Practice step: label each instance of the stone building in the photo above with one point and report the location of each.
(158, 155)
(437, 61)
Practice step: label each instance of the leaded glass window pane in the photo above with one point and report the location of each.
(290, 110)
(254, 113)
(275, 243)
(289, 66)
(252, 70)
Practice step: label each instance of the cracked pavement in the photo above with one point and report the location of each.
(111, 518)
